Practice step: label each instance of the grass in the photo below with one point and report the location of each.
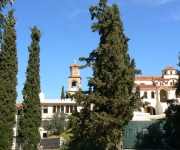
(164, 118)
(65, 135)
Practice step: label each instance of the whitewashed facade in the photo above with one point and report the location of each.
(156, 88)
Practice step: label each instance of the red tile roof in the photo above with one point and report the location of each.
(151, 86)
(148, 77)
(169, 68)
(18, 105)
(74, 65)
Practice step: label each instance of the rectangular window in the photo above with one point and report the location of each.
(67, 109)
(54, 109)
(44, 135)
(62, 108)
(19, 112)
(45, 110)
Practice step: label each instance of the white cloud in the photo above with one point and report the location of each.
(155, 2)
(175, 15)
(74, 14)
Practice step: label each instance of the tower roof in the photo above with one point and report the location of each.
(74, 65)
(169, 68)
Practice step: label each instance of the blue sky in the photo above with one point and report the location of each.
(152, 25)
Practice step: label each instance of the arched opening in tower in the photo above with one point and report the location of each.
(74, 84)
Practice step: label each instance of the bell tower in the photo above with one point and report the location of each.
(74, 80)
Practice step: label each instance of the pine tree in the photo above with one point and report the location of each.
(110, 88)
(8, 83)
(62, 93)
(30, 119)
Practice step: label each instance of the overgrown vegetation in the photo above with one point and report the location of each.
(57, 124)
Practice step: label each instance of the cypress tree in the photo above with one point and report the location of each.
(110, 88)
(30, 119)
(8, 83)
(62, 93)
(3, 17)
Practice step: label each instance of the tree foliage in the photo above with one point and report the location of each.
(57, 124)
(109, 103)
(139, 103)
(8, 83)
(173, 111)
(3, 18)
(30, 119)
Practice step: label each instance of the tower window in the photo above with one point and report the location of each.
(74, 84)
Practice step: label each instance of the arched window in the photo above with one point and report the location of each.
(45, 109)
(58, 108)
(62, 108)
(163, 96)
(71, 109)
(152, 94)
(145, 94)
(67, 109)
(54, 109)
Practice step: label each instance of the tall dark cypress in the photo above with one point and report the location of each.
(8, 83)
(30, 119)
(3, 18)
(62, 93)
(109, 103)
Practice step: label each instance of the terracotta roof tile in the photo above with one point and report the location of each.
(151, 86)
(148, 77)
(18, 105)
(169, 68)
(74, 65)
(147, 86)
